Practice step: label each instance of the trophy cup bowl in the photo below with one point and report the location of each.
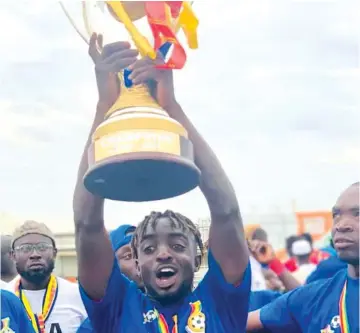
(138, 153)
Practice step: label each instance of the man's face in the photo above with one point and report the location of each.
(345, 231)
(127, 264)
(167, 257)
(34, 256)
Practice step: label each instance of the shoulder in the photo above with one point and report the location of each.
(65, 283)
(10, 301)
(8, 296)
(327, 269)
(3, 284)
(67, 287)
(10, 286)
(315, 292)
(69, 292)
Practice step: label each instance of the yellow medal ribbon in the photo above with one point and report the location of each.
(38, 320)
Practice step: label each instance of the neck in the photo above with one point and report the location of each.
(28, 285)
(353, 271)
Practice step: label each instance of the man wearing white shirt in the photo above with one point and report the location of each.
(53, 304)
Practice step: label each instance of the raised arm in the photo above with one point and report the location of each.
(93, 246)
(227, 240)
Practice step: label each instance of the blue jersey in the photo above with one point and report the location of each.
(13, 316)
(260, 298)
(215, 305)
(314, 308)
(85, 327)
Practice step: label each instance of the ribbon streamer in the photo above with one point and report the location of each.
(159, 21)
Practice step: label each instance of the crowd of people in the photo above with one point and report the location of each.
(140, 279)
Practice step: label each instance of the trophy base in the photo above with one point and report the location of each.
(140, 177)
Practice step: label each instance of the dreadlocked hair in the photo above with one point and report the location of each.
(177, 221)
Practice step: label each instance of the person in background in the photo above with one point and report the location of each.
(303, 258)
(13, 316)
(165, 245)
(281, 279)
(120, 241)
(258, 281)
(302, 249)
(53, 304)
(264, 253)
(326, 306)
(8, 269)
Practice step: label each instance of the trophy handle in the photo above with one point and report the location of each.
(73, 23)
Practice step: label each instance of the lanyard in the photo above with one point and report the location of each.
(344, 320)
(38, 320)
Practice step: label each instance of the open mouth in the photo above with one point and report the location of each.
(166, 277)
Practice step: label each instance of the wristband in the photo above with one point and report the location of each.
(291, 265)
(277, 266)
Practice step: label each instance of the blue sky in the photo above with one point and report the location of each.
(274, 88)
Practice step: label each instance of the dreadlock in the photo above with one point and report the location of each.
(177, 221)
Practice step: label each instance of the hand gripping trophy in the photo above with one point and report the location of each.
(138, 153)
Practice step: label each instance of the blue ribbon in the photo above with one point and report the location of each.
(164, 49)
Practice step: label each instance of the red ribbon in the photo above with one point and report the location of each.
(162, 32)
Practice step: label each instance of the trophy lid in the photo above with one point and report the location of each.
(135, 10)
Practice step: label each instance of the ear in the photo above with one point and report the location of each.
(198, 262)
(12, 255)
(138, 271)
(55, 251)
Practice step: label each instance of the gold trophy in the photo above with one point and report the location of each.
(138, 153)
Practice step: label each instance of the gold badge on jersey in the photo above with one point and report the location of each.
(196, 320)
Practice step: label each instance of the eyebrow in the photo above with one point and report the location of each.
(336, 208)
(171, 235)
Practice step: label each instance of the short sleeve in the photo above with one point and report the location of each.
(107, 311)
(278, 316)
(231, 301)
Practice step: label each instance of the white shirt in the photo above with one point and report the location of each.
(68, 312)
(3, 284)
(302, 273)
(258, 281)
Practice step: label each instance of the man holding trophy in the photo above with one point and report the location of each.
(167, 246)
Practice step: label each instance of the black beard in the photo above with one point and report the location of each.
(36, 277)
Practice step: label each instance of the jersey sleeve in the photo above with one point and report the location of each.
(107, 311)
(281, 314)
(231, 302)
